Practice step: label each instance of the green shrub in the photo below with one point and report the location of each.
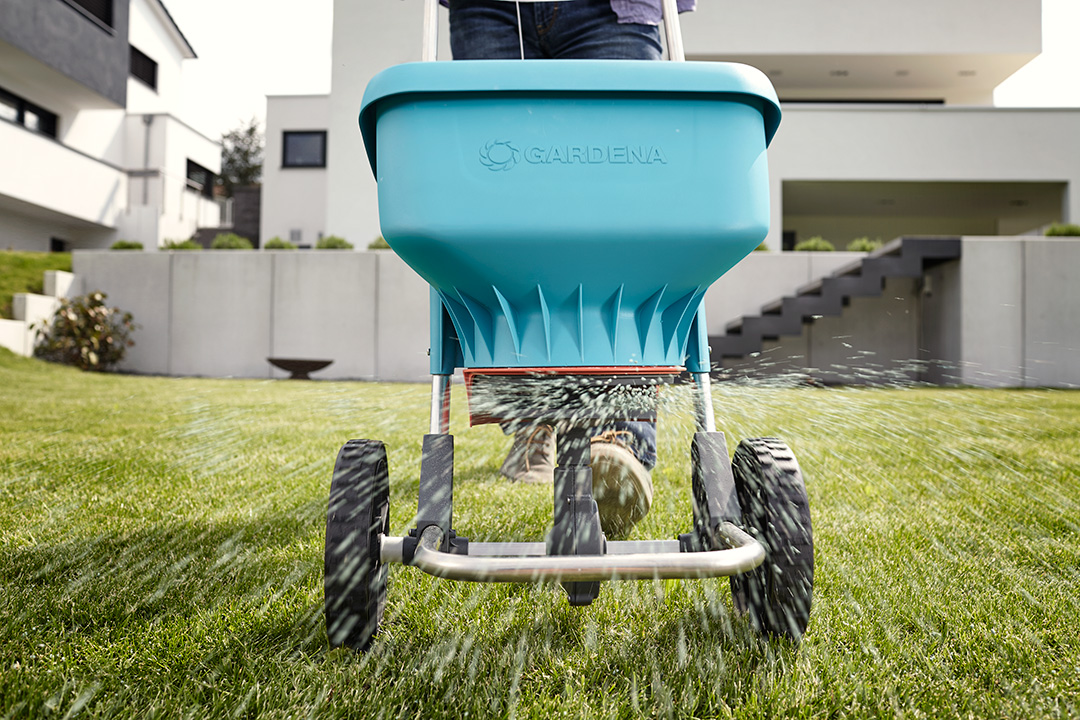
(332, 242)
(815, 244)
(276, 243)
(126, 245)
(181, 245)
(863, 244)
(1062, 229)
(762, 247)
(231, 241)
(85, 333)
(378, 243)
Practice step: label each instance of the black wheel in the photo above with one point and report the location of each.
(777, 594)
(354, 579)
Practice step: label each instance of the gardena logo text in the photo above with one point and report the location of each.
(503, 155)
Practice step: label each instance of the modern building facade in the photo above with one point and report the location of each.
(94, 148)
(888, 129)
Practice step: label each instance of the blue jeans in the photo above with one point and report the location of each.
(581, 30)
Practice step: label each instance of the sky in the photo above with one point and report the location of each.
(249, 49)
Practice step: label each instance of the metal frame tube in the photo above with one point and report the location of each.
(430, 50)
(744, 554)
(673, 31)
(706, 419)
(440, 404)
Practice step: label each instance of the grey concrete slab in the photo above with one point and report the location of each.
(875, 341)
(136, 282)
(220, 313)
(1052, 313)
(940, 341)
(16, 336)
(992, 316)
(759, 278)
(403, 309)
(324, 308)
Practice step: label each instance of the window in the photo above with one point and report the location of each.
(14, 109)
(305, 148)
(100, 10)
(200, 179)
(143, 68)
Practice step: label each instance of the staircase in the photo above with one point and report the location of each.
(903, 257)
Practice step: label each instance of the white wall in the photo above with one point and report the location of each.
(153, 36)
(43, 173)
(821, 143)
(824, 27)
(364, 45)
(29, 228)
(296, 198)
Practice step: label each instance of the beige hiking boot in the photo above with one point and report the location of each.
(532, 456)
(622, 487)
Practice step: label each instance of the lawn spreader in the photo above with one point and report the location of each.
(569, 216)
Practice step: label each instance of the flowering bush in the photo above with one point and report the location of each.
(86, 333)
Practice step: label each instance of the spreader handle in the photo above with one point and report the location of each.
(670, 9)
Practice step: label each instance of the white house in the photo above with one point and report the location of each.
(889, 126)
(295, 166)
(94, 148)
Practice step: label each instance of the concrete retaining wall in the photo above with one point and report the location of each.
(222, 314)
(1006, 314)
(1003, 315)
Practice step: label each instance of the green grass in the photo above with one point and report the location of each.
(22, 272)
(161, 556)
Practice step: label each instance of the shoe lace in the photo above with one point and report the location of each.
(615, 437)
(544, 431)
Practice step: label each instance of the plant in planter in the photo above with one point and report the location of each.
(276, 243)
(1062, 230)
(815, 244)
(863, 244)
(181, 245)
(230, 241)
(126, 245)
(333, 242)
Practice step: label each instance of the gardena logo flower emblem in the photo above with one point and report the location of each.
(499, 155)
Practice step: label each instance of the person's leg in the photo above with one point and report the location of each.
(488, 30)
(589, 30)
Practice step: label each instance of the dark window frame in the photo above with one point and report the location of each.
(286, 134)
(204, 188)
(100, 12)
(143, 68)
(48, 122)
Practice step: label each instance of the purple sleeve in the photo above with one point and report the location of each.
(646, 12)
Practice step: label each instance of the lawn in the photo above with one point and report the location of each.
(161, 556)
(22, 272)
